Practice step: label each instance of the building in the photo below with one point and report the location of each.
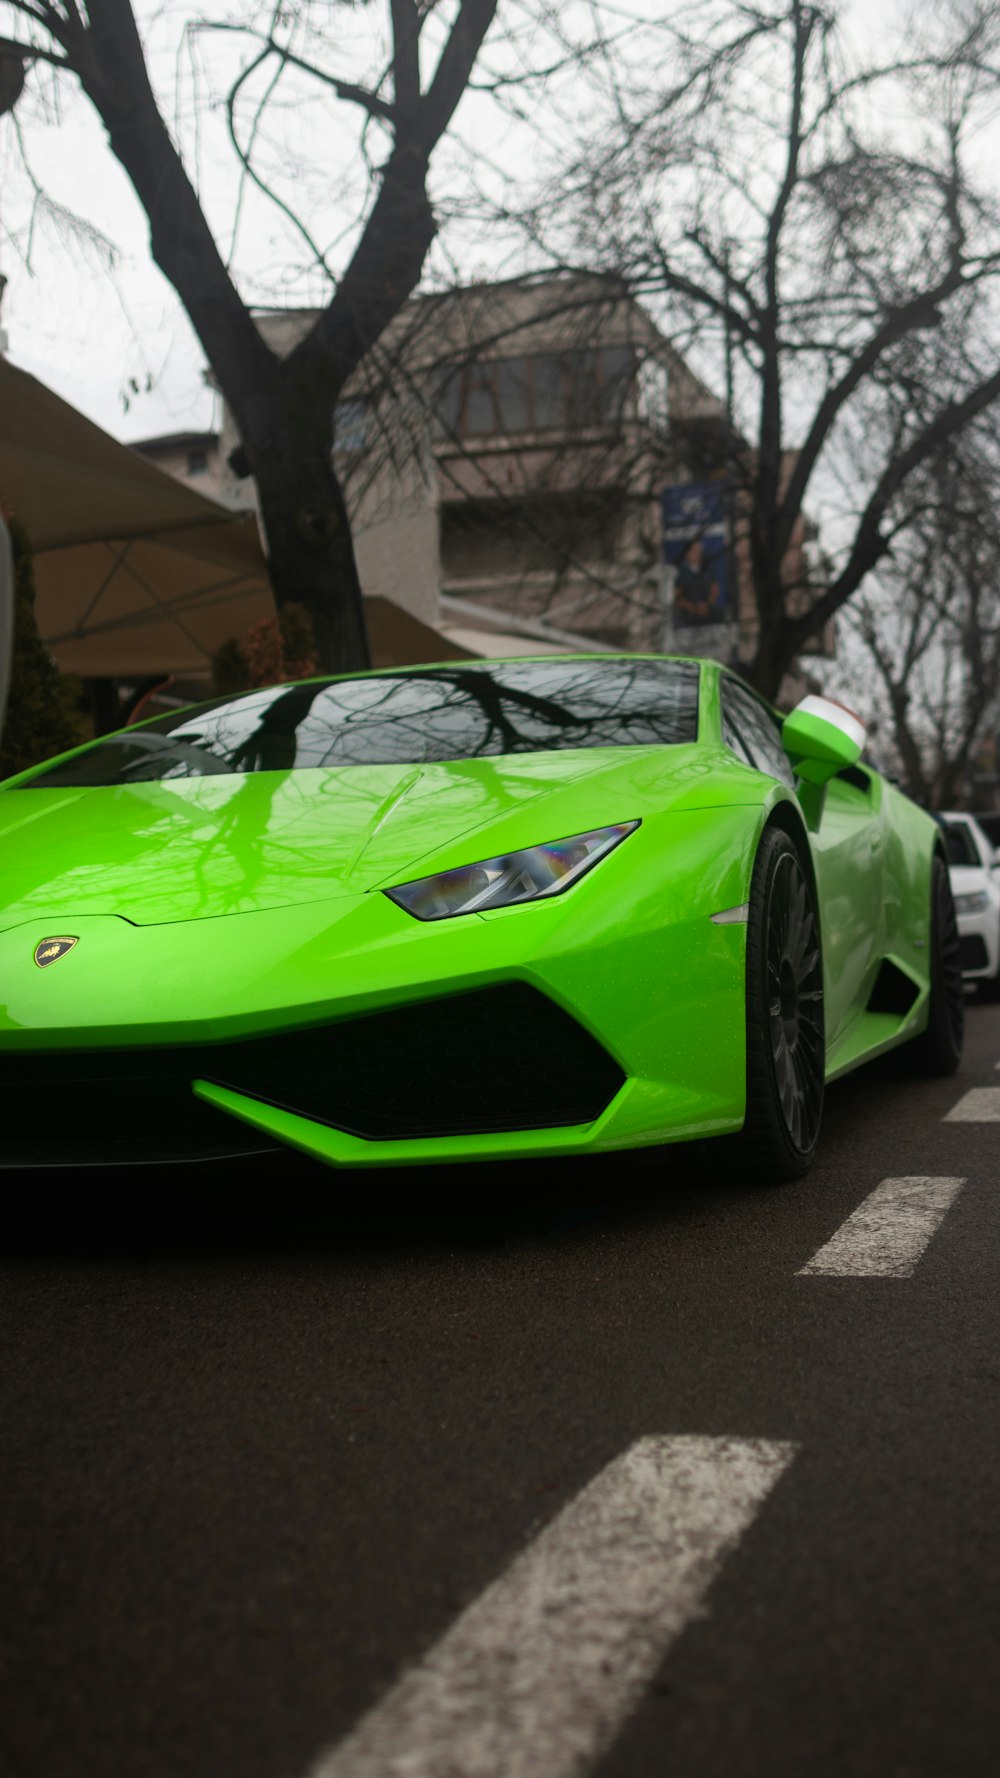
(505, 452)
(194, 458)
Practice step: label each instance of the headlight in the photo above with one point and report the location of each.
(513, 877)
(976, 903)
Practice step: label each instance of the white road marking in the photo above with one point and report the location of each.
(980, 1105)
(535, 1678)
(887, 1234)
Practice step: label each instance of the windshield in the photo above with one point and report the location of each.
(434, 713)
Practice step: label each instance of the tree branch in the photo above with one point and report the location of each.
(11, 50)
(250, 170)
(922, 311)
(344, 89)
(869, 543)
(400, 227)
(405, 56)
(770, 443)
(451, 76)
(113, 73)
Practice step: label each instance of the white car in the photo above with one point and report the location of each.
(974, 868)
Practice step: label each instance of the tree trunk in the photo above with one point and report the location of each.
(773, 654)
(917, 784)
(311, 556)
(288, 446)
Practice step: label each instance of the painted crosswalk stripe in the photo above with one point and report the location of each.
(980, 1105)
(886, 1235)
(535, 1678)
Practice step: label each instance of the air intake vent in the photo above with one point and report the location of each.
(500, 1058)
(894, 991)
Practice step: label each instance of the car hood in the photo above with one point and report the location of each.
(197, 848)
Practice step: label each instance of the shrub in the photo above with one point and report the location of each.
(42, 709)
(280, 649)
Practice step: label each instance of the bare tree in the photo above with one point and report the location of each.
(814, 222)
(925, 635)
(283, 406)
(542, 402)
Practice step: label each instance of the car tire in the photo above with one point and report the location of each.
(938, 1050)
(786, 1046)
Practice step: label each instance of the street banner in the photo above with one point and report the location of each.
(696, 548)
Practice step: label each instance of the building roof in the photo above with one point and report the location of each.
(174, 441)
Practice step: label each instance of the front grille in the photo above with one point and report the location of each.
(57, 1114)
(972, 952)
(494, 1059)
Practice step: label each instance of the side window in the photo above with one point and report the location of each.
(732, 737)
(757, 729)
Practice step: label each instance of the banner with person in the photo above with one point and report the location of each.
(696, 548)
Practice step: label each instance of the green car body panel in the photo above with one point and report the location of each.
(220, 908)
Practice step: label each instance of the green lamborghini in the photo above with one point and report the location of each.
(518, 908)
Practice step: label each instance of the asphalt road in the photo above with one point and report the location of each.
(255, 1471)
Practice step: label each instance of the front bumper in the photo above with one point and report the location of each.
(622, 1017)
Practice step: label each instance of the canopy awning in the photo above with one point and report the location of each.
(135, 572)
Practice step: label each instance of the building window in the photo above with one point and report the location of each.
(511, 381)
(652, 394)
(197, 463)
(548, 534)
(543, 392)
(351, 425)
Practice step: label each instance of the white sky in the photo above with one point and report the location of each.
(117, 344)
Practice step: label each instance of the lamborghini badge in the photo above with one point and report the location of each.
(51, 949)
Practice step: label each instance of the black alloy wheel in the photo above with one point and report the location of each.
(938, 1050)
(786, 1042)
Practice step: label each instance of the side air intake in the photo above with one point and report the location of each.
(894, 991)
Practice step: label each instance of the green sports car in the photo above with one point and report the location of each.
(516, 908)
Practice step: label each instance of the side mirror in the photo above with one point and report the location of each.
(821, 737)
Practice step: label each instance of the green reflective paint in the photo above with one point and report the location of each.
(818, 749)
(214, 908)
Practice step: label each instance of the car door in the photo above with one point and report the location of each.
(848, 852)
(860, 892)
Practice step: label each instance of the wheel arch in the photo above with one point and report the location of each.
(785, 813)
(784, 1098)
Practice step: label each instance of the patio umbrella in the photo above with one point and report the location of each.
(137, 574)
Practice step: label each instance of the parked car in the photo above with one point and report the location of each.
(484, 910)
(989, 821)
(975, 882)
